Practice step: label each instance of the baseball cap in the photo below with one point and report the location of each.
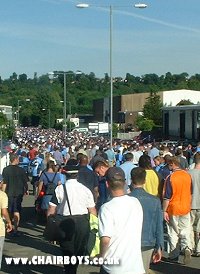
(115, 173)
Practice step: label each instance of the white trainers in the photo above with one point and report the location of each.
(187, 256)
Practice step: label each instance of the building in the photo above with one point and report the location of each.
(182, 122)
(126, 107)
(7, 110)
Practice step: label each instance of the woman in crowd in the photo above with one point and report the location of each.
(48, 181)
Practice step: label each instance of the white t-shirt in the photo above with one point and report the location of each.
(80, 198)
(121, 220)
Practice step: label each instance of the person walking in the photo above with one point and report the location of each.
(127, 166)
(153, 183)
(195, 208)
(88, 177)
(81, 203)
(120, 227)
(4, 217)
(48, 181)
(176, 210)
(15, 185)
(101, 167)
(36, 168)
(152, 228)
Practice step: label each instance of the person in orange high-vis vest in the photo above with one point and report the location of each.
(176, 210)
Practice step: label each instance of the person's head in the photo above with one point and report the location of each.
(167, 157)
(128, 156)
(71, 171)
(14, 159)
(78, 156)
(197, 158)
(1, 178)
(158, 160)
(138, 176)
(174, 162)
(58, 168)
(23, 154)
(100, 167)
(115, 178)
(47, 155)
(145, 162)
(51, 166)
(83, 160)
(179, 152)
(72, 162)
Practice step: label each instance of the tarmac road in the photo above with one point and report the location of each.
(31, 243)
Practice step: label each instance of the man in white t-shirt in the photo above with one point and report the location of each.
(120, 226)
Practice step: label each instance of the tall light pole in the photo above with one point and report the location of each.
(64, 73)
(85, 5)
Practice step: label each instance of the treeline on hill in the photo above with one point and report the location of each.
(46, 95)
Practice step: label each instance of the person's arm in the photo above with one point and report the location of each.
(39, 187)
(51, 210)
(5, 214)
(104, 244)
(3, 186)
(96, 194)
(157, 255)
(166, 198)
(92, 210)
(165, 206)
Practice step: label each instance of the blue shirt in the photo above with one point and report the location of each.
(152, 229)
(37, 167)
(127, 167)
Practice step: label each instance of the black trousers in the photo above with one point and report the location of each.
(102, 271)
(76, 246)
(34, 182)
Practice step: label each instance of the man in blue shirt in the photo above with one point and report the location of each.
(127, 167)
(152, 230)
(37, 167)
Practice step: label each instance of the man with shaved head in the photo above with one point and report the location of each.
(87, 176)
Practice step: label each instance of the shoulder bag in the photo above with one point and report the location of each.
(60, 227)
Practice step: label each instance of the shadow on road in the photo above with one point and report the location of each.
(173, 268)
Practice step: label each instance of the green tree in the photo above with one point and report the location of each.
(153, 108)
(3, 120)
(185, 103)
(144, 123)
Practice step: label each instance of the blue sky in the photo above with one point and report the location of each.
(46, 35)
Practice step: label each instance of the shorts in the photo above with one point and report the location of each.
(15, 203)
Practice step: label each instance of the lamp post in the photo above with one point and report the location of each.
(18, 108)
(85, 5)
(55, 73)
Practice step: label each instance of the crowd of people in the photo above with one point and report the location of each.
(133, 189)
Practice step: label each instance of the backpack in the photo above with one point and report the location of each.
(50, 187)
